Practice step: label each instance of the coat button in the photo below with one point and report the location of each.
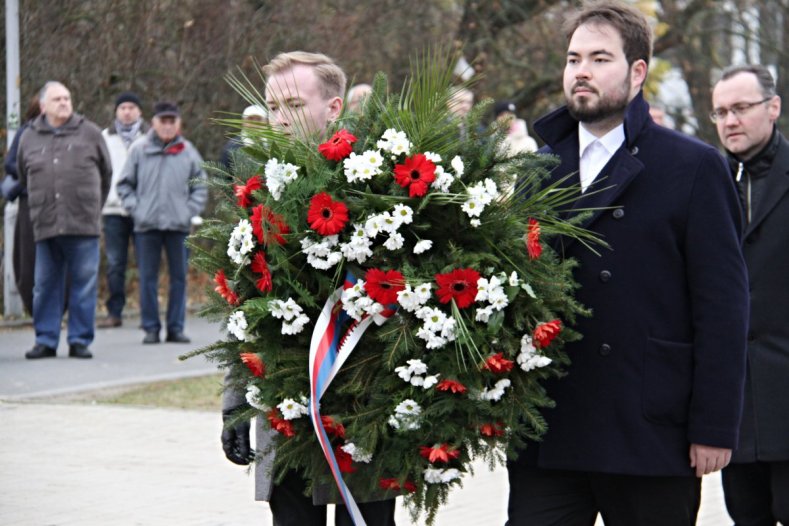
(605, 350)
(619, 213)
(634, 150)
(605, 276)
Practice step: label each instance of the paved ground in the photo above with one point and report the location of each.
(96, 465)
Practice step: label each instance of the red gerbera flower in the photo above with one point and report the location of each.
(544, 333)
(266, 225)
(254, 362)
(244, 191)
(460, 285)
(394, 485)
(533, 245)
(451, 385)
(333, 428)
(279, 424)
(224, 289)
(442, 453)
(416, 174)
(339, 146)
(344, 460)
(325, 216)
(495, 429)
(383, 286)
(259, 266)
(498, 364)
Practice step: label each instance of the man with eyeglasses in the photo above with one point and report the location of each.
(756, 483)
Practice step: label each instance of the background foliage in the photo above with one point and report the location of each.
(181, 49)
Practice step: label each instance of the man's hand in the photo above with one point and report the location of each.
(235, 440)
(708, 459)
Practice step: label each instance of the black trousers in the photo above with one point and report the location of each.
(757, 494)
(547, 497)
(290, 507)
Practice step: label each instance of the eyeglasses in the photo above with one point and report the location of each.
(741, 108)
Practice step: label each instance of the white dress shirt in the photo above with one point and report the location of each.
(594, 153)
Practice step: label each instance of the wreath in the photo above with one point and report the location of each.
(413, 248)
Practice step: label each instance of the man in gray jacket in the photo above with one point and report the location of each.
(163, 187)
(65, 166)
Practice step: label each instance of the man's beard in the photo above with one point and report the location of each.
(607, 106)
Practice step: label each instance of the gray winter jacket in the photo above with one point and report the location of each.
(163, 187)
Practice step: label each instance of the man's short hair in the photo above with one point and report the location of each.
(762, 74)
(629, 22)
(331, 76)
(49, 84)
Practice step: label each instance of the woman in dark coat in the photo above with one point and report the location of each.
(24, 256)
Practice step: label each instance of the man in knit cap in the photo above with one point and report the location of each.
(118, 226)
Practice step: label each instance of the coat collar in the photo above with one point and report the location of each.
(560, 132)
(777, 185)
(559, 125)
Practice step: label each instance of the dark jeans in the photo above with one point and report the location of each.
(118, 231)
(290, 507)
(148, 246)
(757, 493)
(548, 497)
(57, 257)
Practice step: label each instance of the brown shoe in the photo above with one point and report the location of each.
(109, 322)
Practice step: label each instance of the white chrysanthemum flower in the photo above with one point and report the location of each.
(357, 454)
(291, 409)
(475, 223)
(495, 393)
(320, 254)
(443, 180)
(457, 165)
(434, 319)
(237, 325)
(417, 381)
(295, 326)
(278, 175)
(432, 475)
(373, 225)
(528, 359)
(358, 249)
(448, 329)
(422, 246)
(423, 292)
(373, 158)
(482, 290)
(253, 398)
(395, 241)
(473, 207)
(408, 407)
(432, 156)
(286, 310)
(483, 314)
(448, 475)
(393, 420)
(395, 142)
(390, 222)
(240, 243)
(430, 381)
(404, 213)
(514, 279)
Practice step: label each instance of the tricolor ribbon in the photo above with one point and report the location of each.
(329, 348)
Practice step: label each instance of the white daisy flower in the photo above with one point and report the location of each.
(423, 246)
(291, 409)
(395, 241)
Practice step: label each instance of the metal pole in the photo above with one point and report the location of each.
(11, 299)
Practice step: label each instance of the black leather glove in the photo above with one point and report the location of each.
(235, 439)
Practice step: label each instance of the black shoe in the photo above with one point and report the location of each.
(151, 337)
(40, 351)
(77, 350)
(109, 322)
(177, 337)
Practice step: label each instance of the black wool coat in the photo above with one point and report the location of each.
(764, 434)
(662, 361)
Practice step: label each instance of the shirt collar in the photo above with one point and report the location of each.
(611, 141)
